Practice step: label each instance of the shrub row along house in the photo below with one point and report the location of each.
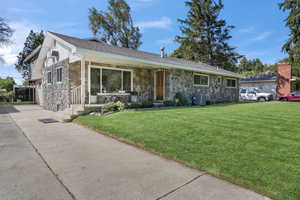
(69, 71)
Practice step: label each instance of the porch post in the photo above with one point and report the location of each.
(82, 81)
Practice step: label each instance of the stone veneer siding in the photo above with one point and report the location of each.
(175, 81)
(183, 81)
(56, 96)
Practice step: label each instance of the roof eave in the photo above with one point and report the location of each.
(114, 56)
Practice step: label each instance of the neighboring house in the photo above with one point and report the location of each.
(266, 82)
(68, 71)
(278, 83)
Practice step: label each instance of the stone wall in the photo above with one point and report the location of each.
(183, 81)
(175, 81)
(56, 96)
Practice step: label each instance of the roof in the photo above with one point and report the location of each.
(97, 46)
(33, 53)
(269, 76)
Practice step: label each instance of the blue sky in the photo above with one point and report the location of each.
(259, 24)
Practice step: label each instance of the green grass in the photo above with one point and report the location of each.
(16, 103)
(256, 145)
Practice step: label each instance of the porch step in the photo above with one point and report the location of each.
(158, 103)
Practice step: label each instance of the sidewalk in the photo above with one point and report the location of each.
(93, 166)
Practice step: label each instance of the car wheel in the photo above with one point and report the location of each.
(284, 99)
(262, 99)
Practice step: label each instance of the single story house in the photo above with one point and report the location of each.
(70, 71)
(280, 83)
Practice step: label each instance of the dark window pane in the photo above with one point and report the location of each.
(197, 80)
(126, 81)
(200, 80)
(59, 75)
(95, 81)
(111, 81)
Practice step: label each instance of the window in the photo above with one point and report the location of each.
(201, 80)
(49, 77)
(105, 80)
(59, 75)
(231, 83)
(219, 79)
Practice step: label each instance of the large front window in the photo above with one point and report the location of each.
(105, 81)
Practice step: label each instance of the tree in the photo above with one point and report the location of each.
(292, 46)
(5, 35)
(32, 41)
(115, 27)
(205, 36)
(254, 66)
(7, 83)
(5, 32)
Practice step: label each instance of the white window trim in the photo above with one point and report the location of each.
(59, 82)
(231, 79)
(111, 68)
(199, 85)
(49, 83)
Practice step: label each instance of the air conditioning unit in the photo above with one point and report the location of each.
(55, 53)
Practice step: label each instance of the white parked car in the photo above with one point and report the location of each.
(255, 94)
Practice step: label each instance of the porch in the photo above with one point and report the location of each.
(105, 83)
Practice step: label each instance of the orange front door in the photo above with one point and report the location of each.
(160, 85)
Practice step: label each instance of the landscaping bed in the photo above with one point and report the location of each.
(256, 145)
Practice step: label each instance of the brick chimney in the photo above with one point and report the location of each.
(284, 76)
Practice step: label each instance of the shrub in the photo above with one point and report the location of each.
(120, 105)
(169, 103)
(109, 107)
(134, 105)
(182, 100)
(147, 104)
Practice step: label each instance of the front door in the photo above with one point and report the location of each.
(159, 85)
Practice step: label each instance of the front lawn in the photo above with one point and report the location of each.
(256, 145)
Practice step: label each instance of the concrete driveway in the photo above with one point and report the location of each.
(67, 161)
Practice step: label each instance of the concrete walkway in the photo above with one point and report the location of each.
(90, 166)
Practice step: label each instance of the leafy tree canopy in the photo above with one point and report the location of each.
(292, 46)
(205, 36)
(33, 40)
(7, 83)
(115, 27)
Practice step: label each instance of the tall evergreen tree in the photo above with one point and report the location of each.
(5, 35)
(205, 36)
(5, 32)
(292, 46)
(115, 26)
(33, 40)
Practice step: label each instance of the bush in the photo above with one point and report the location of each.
(109, 107)
(120, 105)
(182, 100)
(147, 104)
(134, 105)
(169, 103)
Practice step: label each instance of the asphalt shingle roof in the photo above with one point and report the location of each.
(105, 48)
(269, 76)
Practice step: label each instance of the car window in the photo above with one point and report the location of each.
(243, 91)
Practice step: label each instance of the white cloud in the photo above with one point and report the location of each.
(261, 36)
(23, 11)
(10, 52)
(162, 23)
